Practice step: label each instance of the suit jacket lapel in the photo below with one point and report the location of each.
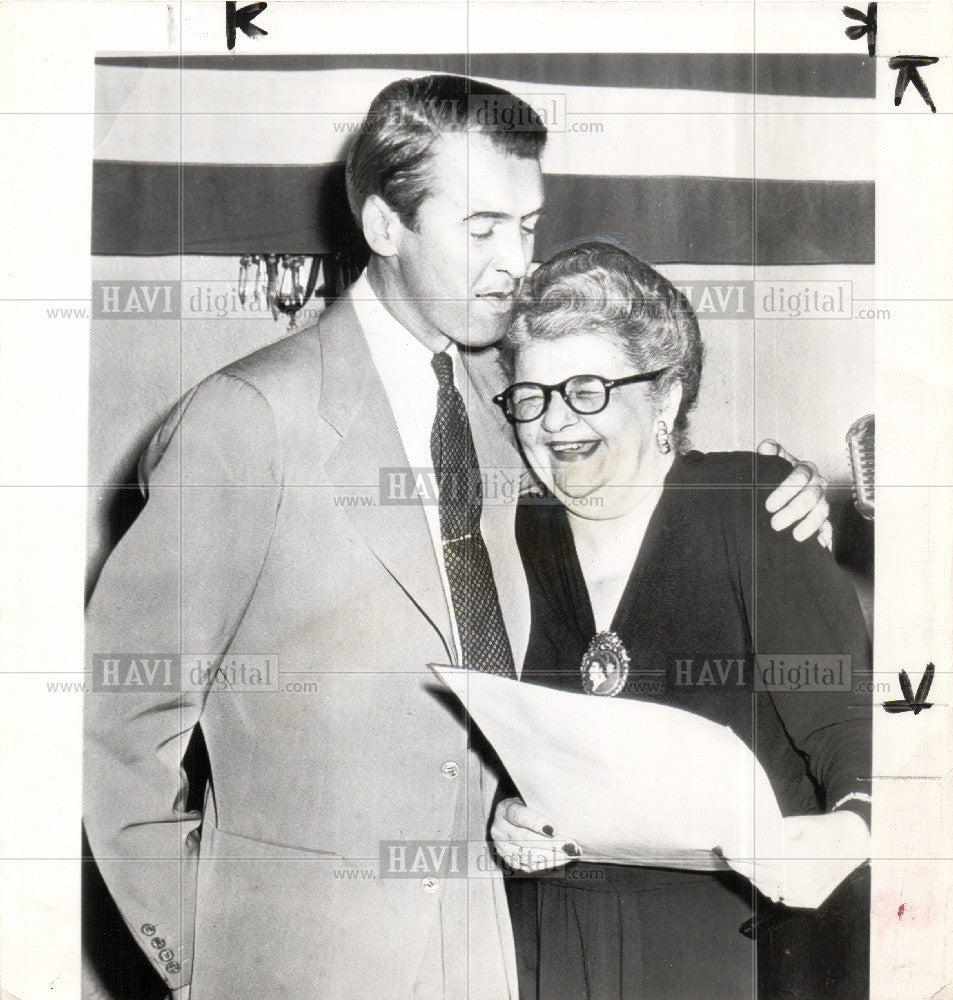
(354, 402)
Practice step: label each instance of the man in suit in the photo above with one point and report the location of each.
(270, 555)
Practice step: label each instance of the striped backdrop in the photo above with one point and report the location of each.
(705, 159)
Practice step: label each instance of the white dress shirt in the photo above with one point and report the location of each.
(410, 383)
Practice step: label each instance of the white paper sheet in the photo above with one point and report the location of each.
(638, 783)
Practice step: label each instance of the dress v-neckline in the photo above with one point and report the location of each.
(655, 531)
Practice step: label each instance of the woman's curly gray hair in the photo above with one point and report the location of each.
(600, 288)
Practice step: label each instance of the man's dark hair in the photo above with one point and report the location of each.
(392, 153)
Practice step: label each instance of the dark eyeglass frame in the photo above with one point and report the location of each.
(502, 399)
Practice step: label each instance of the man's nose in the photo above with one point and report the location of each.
(558, 414)
(513, 252)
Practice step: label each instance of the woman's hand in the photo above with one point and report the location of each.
(836, 836)
(817, 854)
(820, 852)
(801, 499)
(527, 841)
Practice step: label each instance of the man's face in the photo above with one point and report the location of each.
(473, 241)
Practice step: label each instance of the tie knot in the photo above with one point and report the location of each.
(443, 366)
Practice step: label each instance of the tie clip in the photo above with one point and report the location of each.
(462, 538)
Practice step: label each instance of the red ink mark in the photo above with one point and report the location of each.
(900, 911)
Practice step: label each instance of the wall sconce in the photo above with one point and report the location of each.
(284, 282)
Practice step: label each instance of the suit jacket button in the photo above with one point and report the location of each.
(430, 885)
(166, 955)
(451, 769)
(172, 967)
(149, 929)
(158, 942)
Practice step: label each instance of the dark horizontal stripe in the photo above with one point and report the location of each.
(225, 209)
(714, 220)
(232, 209)
(797, 74)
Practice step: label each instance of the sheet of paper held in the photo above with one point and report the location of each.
(638, 783)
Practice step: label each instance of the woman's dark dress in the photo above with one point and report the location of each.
(713, 585)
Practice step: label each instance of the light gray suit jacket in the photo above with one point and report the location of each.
(264, 536)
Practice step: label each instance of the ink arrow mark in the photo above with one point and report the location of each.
(867, 26)
(242, 18)
(909, 72)
(911, 702)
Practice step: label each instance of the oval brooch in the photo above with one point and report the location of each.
(605, 665)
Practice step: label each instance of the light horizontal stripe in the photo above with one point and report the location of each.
(609, 132)
(231, 209)
(815, 148)
(347, 93)
(803, 74)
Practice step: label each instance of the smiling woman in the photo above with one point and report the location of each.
(643, 556)
(594, 310)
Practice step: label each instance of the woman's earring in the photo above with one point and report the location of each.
(661, 438)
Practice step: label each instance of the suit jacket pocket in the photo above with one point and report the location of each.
(276, 921)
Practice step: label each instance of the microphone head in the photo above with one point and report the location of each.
(860, 447)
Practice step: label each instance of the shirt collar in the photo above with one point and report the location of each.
(386, 335)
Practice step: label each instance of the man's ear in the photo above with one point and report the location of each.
(381, 225)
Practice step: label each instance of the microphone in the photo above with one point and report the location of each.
(860, 447)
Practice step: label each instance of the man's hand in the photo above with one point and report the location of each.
(800, 500)
(527, 841)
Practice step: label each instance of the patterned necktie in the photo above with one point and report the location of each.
(476, 605)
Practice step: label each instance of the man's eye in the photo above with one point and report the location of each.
(481, 235)
(528, 230)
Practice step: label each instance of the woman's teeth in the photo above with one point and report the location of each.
(572, 447)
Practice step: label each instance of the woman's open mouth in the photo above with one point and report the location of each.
(568, 451)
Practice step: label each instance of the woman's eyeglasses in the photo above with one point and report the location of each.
(585, 394)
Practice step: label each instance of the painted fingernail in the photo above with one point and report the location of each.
(571, 850)
(548, 830)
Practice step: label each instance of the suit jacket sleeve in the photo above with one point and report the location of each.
(802, 606)
(177, 583)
